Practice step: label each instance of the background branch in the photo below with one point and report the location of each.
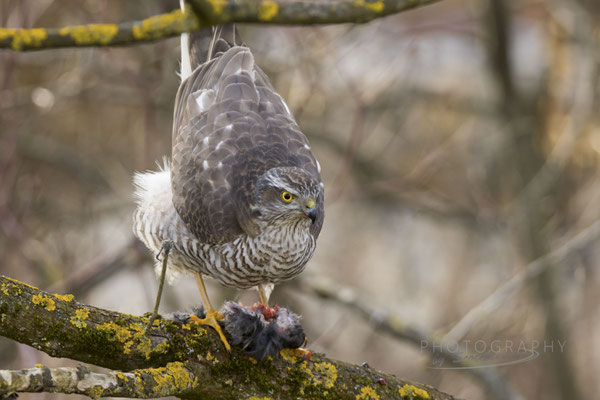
(173, 359)
(382, 321)
(213, 13)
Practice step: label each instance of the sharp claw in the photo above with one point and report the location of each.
(303, 353)
(211, 320)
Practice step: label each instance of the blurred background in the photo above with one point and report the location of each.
(459, 144)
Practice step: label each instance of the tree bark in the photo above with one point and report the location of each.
(211, 12)
(173, 359)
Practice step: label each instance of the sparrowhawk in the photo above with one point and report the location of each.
(242, 199)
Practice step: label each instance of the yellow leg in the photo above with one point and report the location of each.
(263, 298)
(212, 315)
(165, 250)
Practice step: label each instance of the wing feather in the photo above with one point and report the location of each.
(228, 116)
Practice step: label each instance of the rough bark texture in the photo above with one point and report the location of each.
(212, 12)
(174, 359)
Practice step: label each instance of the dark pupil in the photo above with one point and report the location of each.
(287, 196)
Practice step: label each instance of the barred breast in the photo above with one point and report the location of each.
(276, 255)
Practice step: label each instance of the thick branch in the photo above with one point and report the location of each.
(173, 359)
(213, 12)
(176, 379)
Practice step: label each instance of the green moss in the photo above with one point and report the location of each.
(100, 342)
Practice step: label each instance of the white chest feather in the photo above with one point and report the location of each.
(277, 254)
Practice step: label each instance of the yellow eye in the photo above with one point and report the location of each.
(287, 196)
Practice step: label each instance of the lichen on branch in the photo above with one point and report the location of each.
(211, 12)
(173, 359)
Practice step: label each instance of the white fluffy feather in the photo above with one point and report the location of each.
(155, 211)
(153, 188)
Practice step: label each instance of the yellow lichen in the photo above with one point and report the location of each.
(6, 277)
(38, 365)
(160, 25)
(268, 10)
(324, 374)
(28, 38)
(122, 376)
(95, 392)
(79, 318)
(43, 301)
(173, 377)
(411, 391)
(376, 6)
(144, 343)
(217, 5)
(209, 357)
(122, 334)
(91, 34)
(4, 287)
(289, 355)
(11, 289)
(6, 33)
(367, 393)
(65, 297)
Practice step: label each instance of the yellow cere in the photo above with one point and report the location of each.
(79, 318)
(367, 393)
(90, 34)
(417, 393)
(65, 297)
(268, 10)
(43, 301)
(375, 6)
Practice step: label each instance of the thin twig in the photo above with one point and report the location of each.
(393, 325)
(529, 273)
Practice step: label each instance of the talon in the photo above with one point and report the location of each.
(303, 354)
(211, 320)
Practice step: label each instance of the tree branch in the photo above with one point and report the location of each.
(213, 12)
(394, 326)
(174, 359)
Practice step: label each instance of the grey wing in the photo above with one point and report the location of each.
(224, 111)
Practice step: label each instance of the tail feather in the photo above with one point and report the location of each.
(202, 45)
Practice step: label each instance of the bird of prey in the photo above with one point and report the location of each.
(242, 199)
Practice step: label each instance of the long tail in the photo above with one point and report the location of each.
(202, 45)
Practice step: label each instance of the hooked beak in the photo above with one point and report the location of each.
(310, 209)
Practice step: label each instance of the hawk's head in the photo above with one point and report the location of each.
(288, 195)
